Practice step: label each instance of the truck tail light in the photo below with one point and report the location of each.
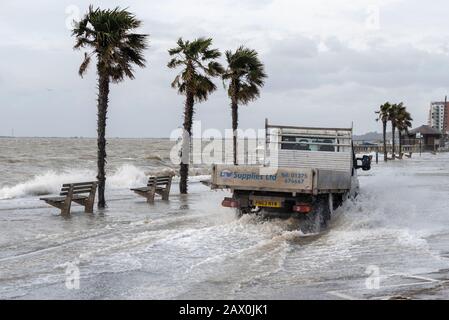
(230, 203)
(304, 208)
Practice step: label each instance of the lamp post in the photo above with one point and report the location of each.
(419, 136)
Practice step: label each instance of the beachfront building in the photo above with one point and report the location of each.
(439, 116)
(428, 138)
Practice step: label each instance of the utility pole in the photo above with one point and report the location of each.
(445, 121)
(419, 137)
(445, 115)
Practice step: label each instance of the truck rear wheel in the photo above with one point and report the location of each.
(241, 211)
(316, 221)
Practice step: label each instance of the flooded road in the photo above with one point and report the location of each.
(391, 242)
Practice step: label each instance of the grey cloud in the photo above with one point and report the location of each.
(301, 67)
(314, 79)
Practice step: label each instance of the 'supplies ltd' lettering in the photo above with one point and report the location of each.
(291, 178)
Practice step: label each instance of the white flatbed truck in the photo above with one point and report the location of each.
(306, 172)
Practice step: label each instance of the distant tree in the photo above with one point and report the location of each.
(403, 123)
(108, 33)
(392, 117)
(383, 116)
(199, 65)
(245, 75)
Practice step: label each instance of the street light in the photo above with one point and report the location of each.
(419, 136)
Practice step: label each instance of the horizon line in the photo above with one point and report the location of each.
(115, 137)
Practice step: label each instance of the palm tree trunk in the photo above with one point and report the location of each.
(393, 133)
(188, 119)
(235, 116)
(385, 140)
(103, 93)
(400, 144)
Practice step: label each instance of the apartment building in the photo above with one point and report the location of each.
(439, 116)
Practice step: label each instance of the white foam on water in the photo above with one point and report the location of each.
(196, 178)
(395, 212)
(46, 183)
(124, 177)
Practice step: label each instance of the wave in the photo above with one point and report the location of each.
(50, 182)
(13, 160)
(154, 157)
(125, 176)
(46, 183)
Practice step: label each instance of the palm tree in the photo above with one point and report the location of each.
(392, 117)
(199, 65)
(246, 75)
(383, 115)
(108, 33)
(403, 122)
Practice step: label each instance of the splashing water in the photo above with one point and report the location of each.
(50, 182)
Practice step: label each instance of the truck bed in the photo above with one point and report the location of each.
(282, 179)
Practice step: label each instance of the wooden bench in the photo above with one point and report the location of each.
(82, 193)
(156, 185)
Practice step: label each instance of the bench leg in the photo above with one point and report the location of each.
(166, 193)
(65, 208)
(150, 195)
(89, 205)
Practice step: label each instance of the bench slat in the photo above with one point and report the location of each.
(161, 179)
(79, 184)
(79, 191)
(145, 189)
(77, 188)
(158, 183)
(61, 199)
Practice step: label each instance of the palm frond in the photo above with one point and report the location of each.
(173, 63)
(84, 65)
(199, 66)
(384, 112)
(245, 74)
(110, 35)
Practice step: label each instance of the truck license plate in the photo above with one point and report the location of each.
(267, 204)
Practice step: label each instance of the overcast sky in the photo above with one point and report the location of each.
(329, 63)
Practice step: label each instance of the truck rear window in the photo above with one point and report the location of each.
(308, 143)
